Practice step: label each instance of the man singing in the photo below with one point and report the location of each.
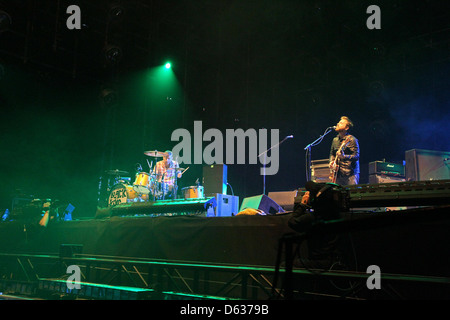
(344, 155)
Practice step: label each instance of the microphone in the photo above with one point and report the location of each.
(333, 127)
(289, 137)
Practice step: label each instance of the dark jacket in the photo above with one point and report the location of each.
(349, 165)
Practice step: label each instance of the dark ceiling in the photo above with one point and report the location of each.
(296, 66)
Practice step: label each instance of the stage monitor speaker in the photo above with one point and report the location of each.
(424, 165)
(285, 199)
(227, 205)
(261, 202)
(214, 179)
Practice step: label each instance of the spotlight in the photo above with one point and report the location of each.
(168, 65)
(116, 11)
(5, 21)
(113, 54)
(108, 97)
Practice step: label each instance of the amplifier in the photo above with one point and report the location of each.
(320, 171)
(387, 168)
(383, 178)
(227, 206)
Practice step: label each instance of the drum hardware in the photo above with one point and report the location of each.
(156, 154)
(125, 180)
(150, 166)
(146, 186)
(116, 172)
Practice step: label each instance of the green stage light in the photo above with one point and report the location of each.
(168, 65)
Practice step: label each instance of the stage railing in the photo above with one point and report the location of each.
(104, 277)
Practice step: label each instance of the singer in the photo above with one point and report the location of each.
(344, 155)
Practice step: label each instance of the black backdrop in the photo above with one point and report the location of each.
(296, 66)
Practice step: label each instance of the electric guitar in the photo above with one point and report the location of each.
(334, 165)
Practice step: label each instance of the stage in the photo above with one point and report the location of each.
(247, 240)
(404, 247)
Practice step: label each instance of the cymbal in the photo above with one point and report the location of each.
(155, 153)
(116, 172)
(177, 169)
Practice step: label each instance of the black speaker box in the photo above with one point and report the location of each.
(422, 165)
(285, 199)
(214, 179)
(261, 202)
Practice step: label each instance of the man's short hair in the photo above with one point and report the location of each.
(350, 123)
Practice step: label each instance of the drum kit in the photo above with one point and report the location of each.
(116, 188)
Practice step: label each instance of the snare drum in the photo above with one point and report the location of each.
(142, 182)
(193, 192)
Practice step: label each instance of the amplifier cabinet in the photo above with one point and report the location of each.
(386, 168)
(227, 205)
(320, 171)
(422, 165)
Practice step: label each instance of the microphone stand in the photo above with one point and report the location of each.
(265, 156)
(308, 152)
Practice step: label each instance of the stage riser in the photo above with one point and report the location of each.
(395, 194)
(198, 207)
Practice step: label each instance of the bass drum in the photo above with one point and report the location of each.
(193, 192)
(122, 193)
